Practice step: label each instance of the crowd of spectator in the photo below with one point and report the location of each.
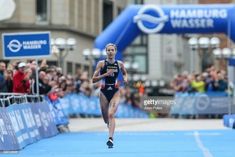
(211, 80)
(20, 77)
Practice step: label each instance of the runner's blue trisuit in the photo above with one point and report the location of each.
(109, 84)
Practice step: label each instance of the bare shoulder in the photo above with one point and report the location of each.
(100, 63)
(120, 63)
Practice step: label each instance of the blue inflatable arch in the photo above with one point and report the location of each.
(167, 19)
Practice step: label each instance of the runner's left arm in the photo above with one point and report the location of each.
(124, 72)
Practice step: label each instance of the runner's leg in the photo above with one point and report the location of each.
(113, 105)
(104, 107)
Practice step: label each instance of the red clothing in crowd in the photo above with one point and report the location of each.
(19, 84)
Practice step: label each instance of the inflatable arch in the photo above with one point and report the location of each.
(168, 19)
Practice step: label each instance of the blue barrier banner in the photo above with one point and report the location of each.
(94, 106)
(44, 119)
(122, 111)
(211, 105)
(75, 104)
(41, 129)
(84, 102)
(65, 102)
(8, 139)
(81, 104)
(53, 113)
(200, 103)
(30, 122)
(19, 124)
(23, 124)
(26, 128)
(128, 111)
(229, 121)
(62, 119)
(78, 102)
(57, 112)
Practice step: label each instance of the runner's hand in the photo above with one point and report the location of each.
(109, 72)
(125, 82)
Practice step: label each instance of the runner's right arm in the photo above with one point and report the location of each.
(96, 77)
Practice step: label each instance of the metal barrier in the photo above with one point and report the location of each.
(7, 99)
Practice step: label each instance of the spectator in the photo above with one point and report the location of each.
(198, 85)
(9, 81)
(44, 87)
(190, 79)
(96, 89)
(219, 84)
(135, 99)
(3, 87)
(128, 95)
(210, 80)
(21, 78)
(86, 88)
(180, 83)
(78, 80)
(185, 83)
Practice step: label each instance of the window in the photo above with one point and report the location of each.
(107, 13)
(42, 10)
(136, 50)
(119, 10)
(138, 53)
(52, 63)
(78, 66)
(86, 68)
(69, 68)
(139, 1)
(142, 64)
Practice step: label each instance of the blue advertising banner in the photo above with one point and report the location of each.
(32, 129)
(229, 121)
(44, 119)
(8, 140)
(26, 45)
(19, 125)
(94, 104)
(211, 105)
(192, 104)
(81, 104)
(65, 103)
(75, 103)
(62, 118)
(38, 121)
(84, 104)
(128, 111)
(24, 124)
(57, 112)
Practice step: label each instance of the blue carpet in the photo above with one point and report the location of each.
(216, 143)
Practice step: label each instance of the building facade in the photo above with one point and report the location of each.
(82, 20)
(157, 57)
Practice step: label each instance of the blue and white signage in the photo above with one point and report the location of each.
(153, 18)
(26, 45)
(167, 19)
(157, 19)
